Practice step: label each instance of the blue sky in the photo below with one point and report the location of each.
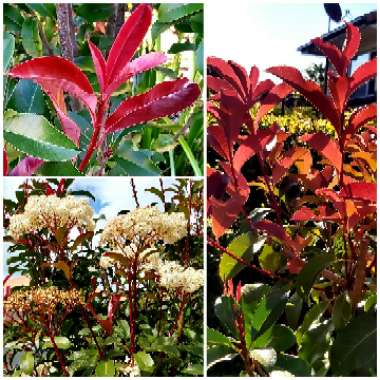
(268, 33)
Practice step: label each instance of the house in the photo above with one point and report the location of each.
(367, 24)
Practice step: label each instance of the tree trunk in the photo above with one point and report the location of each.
(116, 20)
(66, 31)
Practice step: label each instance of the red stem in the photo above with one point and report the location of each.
(266, 273)
(100, 113)
(58, 354)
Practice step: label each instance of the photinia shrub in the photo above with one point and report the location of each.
(293, 223)
(120, 297)
(34, 135)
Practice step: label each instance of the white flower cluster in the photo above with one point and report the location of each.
(50, 211)
(148, 225)
(174, 276)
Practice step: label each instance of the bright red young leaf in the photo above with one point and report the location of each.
(326, 146)
(100, 65)
(128, 40)
(352, 41)
(334, 55)
(274, 97)
(362, 74)
(57, 72)
(311, 91)
(360, 117)
(164, 99)
(360, 190)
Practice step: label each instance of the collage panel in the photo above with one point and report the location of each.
(291, 187)
(103, 277)
(103, 89)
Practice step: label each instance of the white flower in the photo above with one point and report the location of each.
(175, 276)
(148, 225)
(280, 374)
(265, 356)
(52, 212)
(106, 262)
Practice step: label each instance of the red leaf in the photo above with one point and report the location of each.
(325, 146)
(27, 167)
(304, 214)
(352, 41)
(57, 97)
(310, 90)
(362, 74)
(275, 96)
(164, 99)
(290, 157)
(216, 139)
(223, 214)
(360, 190)
(260, 90)
(57, 72)
(253, 144)
(218, 84)
(5, 163)
(242, 75)
(128, 40)
(216, 183)
(112, 306)
(360, 117)
(226, 72)
(339, 88)
(253, 77)
(100, 65)
(137, 66)
(333, 54)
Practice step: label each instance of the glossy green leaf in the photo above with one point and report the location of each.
(179, 47)
(293, 364)
(355, 346)
(27, 363)
(279, 337)
(13, 18)
(309, 273)
(59, 169)
(46, 9)
(145, 362)
(172, 12)
(143, 167)
(265, 313)
(62, 342)
(218, 354)
(342, 311)
(27, 98)
(34, 135)
(225, 314)
(105, 368)
(270, 259)
(91, 13)
(30, 38)
(293, 310)
(83, 193)
(214, 337)
(241, 247)
(315, 344)
(313, 315)
(8, 49)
